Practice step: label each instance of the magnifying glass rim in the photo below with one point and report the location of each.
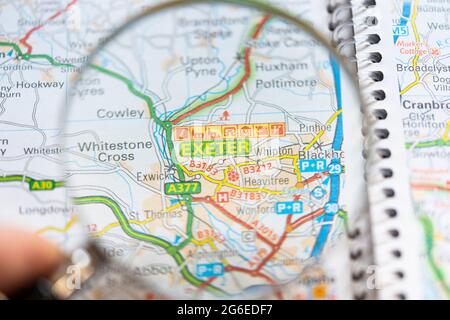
(261, 6)
(250, 4)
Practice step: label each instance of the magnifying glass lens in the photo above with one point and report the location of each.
(205, 150)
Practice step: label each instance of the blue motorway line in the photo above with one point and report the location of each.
(406, 14)
(335, 178)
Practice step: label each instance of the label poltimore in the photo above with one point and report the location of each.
(41, 185)
(182, 188)
(234, 147)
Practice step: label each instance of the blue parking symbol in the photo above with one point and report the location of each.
(209, 270)
(290, 207)
(319, 165)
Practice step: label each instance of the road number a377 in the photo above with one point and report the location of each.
(182, 188)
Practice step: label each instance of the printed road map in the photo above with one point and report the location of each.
(421, 31)
(216, 165)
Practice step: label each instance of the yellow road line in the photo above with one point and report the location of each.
(59, 230)
(219, 186)
(446, 136)
(287, 156)
(105, 229)
(322, 132)
(249, 163)
(175, 206)
(202, 242)
(117, 224)
(209, 241)
(227, 184)
(417, 56)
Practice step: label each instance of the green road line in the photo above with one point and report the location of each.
(168, 128)
(134, 91)
(21, 178)
(171, 250)
(124, 223)
(15, 178)
(29, 57)
(15, 47)
(50, 60)
(165, 124)
(59, 184)
(231, 86)
(429, 144)
(437, 271)
(122, 220)
(344, 216)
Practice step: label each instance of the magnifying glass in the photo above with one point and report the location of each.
(204, 155)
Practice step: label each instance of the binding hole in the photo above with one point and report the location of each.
(389, 193)
(331, 8)
(365, 154)
(360, 296)
(375, 57)
(377, 76)
(384, 153)
(401, 296)
(400, 274)
(392, 213)
(355, 255)
(357, 276)
(332, 26)
(387, 173)
(380, 114)
(354, 234)
(369, 3)
(397, 254)
(379, 95)
(394, 233)
(373, 39)
(371, 21)
(382, 133)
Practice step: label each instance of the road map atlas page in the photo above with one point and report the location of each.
(144, 212)
(421, 33)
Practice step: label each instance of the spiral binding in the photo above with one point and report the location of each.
(351, 25)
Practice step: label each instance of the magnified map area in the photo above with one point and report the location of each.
(205, 149)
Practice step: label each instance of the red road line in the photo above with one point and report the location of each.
(253, 273)
(202, 287)
(24, 40)
(275, 247)
(315, 177)
(241, 83)
(233, 217)
(306, 218)
(278, 246)
(289, 228)
(431, 187)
